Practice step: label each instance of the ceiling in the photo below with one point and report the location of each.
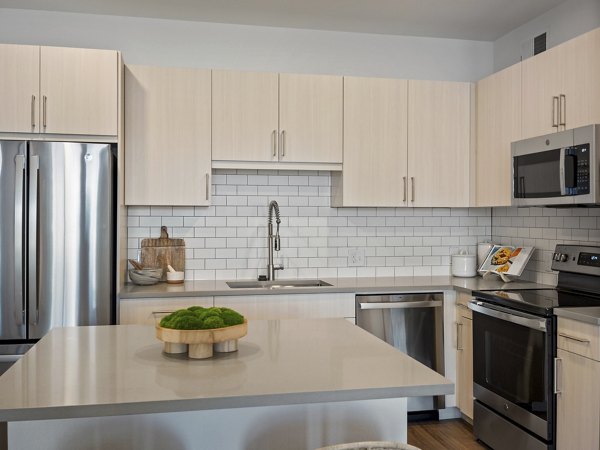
(484, 20)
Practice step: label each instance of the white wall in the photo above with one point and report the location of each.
(209, 45)
(565, 21)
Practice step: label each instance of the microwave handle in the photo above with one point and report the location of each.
(563, 187)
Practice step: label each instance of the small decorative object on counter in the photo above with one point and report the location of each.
(174, 276)
(506, 261)
(162, 251)
(199, 331)
(464, 265)
(144, 276)
(483, 250)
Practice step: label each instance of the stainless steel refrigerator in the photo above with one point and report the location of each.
(57, 239)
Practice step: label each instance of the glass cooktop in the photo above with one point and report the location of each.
(537, 301)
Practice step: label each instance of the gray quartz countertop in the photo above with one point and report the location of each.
(114, 370)
(589, 314)
(374, 285)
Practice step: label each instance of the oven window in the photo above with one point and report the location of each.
(537, 175)
(510, 360)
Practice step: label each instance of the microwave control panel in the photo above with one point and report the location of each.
(577, 169)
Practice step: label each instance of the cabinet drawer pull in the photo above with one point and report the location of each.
(45, 99)
(573, 338)
(207, 185)
(562, 110)
(555, 107)
(33, 111)
(282, 143)
(556, 386)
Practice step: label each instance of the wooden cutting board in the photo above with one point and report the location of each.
(162, 251)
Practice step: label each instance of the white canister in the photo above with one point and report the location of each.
(464, 265)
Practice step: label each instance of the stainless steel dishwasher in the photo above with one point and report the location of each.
(414, 324)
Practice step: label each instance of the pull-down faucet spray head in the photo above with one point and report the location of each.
(276, 241)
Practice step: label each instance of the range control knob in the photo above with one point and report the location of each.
(556, 256)
(564, 258)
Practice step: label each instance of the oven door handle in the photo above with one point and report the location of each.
(509, 315)
(401, 305)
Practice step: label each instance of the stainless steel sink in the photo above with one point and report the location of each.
(276, 284)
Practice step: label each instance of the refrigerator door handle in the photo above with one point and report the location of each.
(34, 167)
(19, 257)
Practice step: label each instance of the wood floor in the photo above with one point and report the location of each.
(443, 435)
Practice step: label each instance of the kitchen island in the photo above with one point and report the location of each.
(292, 384)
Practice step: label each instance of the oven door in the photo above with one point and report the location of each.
(512, 372)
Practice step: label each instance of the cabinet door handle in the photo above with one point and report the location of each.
(573, 338)
(44, 110)
(557, 389)
(412, 182)
(207, 185)
(274, 142)
(404, 182)
(282, 143)
(555, 112)
(33, 111)
(562, 110)
(459, 340)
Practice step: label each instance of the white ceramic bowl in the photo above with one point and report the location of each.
(175, 277)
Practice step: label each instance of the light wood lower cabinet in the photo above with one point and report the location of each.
(577, 382)
(291, 306)
(167, 136)
(140, 311)
(464, 356)
(578, 402)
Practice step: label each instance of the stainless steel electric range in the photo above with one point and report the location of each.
(514, 346)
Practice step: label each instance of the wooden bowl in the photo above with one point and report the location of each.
(199, 344)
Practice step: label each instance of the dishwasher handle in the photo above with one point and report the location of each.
(401, 305)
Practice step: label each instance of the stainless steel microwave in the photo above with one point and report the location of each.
(559, 169)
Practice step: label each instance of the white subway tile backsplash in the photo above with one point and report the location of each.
(229, 238)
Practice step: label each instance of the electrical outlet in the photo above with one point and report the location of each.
(356, 257)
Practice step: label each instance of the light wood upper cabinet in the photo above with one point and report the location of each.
(498, 124)
(19, 88)
(276, 118)
(79, 91)
(560, 87)
(167, 136)
(581, 88)
(245, 116)
(439, 143)
(310, 118)
(375, 144)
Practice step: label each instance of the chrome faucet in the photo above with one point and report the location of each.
(273, 240)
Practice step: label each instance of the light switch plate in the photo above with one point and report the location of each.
(356, 257)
